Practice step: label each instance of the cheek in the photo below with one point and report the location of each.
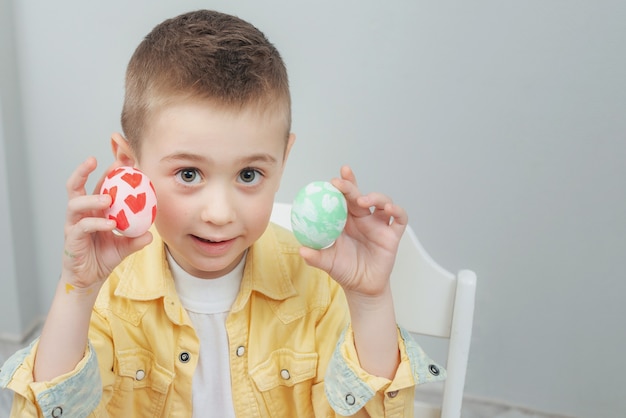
(171, 211)
(257, 215)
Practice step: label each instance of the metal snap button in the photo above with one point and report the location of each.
(392, 394)
(241, 350)
(350, 399)
(57, 412)
(284, 373)
(140, 375)
(184, 357)
(434, 370)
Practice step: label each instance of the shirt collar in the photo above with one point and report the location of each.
(266, 271)
(146, 275)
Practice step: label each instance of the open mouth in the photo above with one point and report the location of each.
(215, 247)
(208, 241)
(205, 240)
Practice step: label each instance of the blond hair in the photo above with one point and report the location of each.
(203, 55)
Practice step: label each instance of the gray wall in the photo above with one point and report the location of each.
(19, 303)
(500, 126)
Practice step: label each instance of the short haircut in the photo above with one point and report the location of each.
(203, 55)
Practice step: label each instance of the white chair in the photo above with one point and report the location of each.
(429, 301)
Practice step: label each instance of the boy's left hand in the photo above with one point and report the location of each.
(362, 258)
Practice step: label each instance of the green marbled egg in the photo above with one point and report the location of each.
(318, 214)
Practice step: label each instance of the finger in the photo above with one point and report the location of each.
(383, 208)
(127, 246)
(374, 200)
(396, 217)
(347, 186)
(347, 181)
(137, 243)
(347, 174)
(85, 206)
(399, 219)
(75, 185)
(375, 204)
(113, 166)
(87, 226)
(317, 258)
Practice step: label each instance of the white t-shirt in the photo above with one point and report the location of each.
(208, 302)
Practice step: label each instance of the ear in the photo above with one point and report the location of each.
(290, 142)
(122, 150)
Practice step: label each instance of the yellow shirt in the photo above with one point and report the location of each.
(291, 348)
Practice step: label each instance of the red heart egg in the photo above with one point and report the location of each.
(134, 202)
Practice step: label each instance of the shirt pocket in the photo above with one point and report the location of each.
(285, 381)
(141, 386)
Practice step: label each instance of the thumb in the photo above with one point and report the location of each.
(136, 244)
(321, 259)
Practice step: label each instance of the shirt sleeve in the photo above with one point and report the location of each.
(74, 394)
(349, 388)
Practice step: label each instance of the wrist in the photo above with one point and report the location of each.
(374, 327)
(370, 302)
(70, 286)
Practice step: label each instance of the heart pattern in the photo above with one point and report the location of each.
(136, 203)
(121, 220)
(133, 179)
(114, 172)
(111, 192)
(133, 200)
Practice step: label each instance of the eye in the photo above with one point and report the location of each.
(250, 176)
(188, 176)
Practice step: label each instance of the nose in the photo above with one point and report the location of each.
(218, 206)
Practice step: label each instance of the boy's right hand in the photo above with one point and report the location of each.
(91, 249)
(90, 254)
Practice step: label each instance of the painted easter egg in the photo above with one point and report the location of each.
(133, 205)
(318, 214)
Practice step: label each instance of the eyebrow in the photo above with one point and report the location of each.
(182, 156)
(265, 158)
(185, 156)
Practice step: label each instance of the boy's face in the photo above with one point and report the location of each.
(215, 173)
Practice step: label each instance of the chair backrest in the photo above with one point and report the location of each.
(429, 301)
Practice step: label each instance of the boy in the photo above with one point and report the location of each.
(213, 312)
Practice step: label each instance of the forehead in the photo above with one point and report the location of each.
(265, 109)
(203, 127)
